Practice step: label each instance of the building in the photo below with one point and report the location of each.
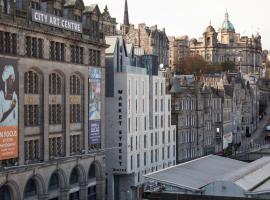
(178, 51)
(196, 112)
(52, 72)
(227, 45)
(101, 24)
(151, 39)
(215, 177)
(140, 138)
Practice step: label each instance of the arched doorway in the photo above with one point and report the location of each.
(74, 182)
(5, 193)
(30, 190)
(93, 174)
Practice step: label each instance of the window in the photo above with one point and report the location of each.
(169, 136)
(138, 160)
(156, 88)
(144, 158)
(169, 121)
(20, 5)
(163, 137)
(55, 98)
(163, 153)
(57, 51)
(152, 139)
(161, 121)
(156, 155)
(145, 125)
(156, 122)
(75, 144)
(55, 147)
(54, 182)
(34, 47)
(156, 105)
(30, 189)
(169, 105)
(32, 150)
(144, 141)
(161, 105)
(131, 143)
(94, 57)
(156, 138)
(76, 99)
(32, 109)
(76, 54)
(152, 156)
(168, 152)
(8, 43)
(74, 177)
(131, 162)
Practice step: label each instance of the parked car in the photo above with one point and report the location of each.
(267, 137)
(267, 128)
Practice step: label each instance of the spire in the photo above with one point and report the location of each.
(126, 17)
(226, 16)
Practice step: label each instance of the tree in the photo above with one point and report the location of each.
(193, 64)
(228, 66)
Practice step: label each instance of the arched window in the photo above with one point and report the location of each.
(56, 87)
(30, 189)
(74, 177)
(55, 84)
(31, 82)
(92, 171)
(54, 182)
(5, 193)
(75, 85)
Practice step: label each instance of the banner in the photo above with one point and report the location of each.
(9, 89)
(94, 106)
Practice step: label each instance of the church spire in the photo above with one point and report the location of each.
(126, 17)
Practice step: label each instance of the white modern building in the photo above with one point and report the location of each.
(140, 138)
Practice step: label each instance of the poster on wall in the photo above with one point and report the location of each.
(9, 90)
(94, 106)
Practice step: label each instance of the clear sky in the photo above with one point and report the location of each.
(191, 17)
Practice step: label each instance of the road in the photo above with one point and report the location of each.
(258, 136)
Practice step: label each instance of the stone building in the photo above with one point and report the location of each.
(151, 39)
(192, 113)
(178, 51)
(54, 56)
(140, 138)
(227, 45)
(102, 24)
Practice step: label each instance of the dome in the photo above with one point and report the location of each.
(227, 25)
(210, 29)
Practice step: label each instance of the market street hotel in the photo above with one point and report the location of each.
(51, 101)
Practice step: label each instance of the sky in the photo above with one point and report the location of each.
(191, 17)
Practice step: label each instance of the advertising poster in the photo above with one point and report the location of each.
(9, 90)
(227, 139)
(94, 106)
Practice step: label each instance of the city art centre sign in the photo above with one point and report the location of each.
(53, 20)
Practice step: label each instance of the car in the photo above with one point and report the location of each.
(267, 137)
(267, 128)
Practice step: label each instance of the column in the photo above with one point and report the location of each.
(101, 188)
(67, 114)
(46, 117)
(64, 194)
(83, 192)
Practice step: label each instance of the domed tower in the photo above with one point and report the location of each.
(210, 36)
(210, 44)
(227, 31)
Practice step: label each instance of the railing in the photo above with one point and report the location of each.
(253, 147)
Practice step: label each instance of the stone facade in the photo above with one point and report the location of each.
(139, 130)
(179, 50)
(227, 45)
(151, 39)
(56, 160)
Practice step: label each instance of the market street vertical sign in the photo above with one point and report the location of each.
(9, 105)
(53, 20)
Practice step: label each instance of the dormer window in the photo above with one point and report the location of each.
(44, 6)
